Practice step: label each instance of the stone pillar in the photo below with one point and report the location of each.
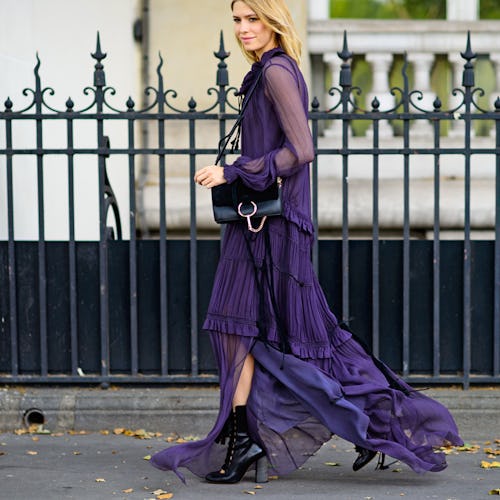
(462, 10)
(319, 9)
(495, 60)
(333, 64)
(457, 68)
(381, 67)
(495, 94)
(422, 66)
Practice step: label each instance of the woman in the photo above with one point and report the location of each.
(290, 375)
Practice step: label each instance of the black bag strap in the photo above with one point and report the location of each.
(266, 280)
(237, 124)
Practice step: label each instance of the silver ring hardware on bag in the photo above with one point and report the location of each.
(249, 218)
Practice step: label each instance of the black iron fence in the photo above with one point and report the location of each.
(130, 311)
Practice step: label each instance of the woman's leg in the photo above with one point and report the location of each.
(244, 383)
(242, 451)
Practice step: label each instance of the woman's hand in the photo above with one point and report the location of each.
(210, 176)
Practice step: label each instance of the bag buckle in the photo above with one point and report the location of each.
(249, 216)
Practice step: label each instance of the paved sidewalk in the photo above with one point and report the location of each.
(93, 466)
(189, 410)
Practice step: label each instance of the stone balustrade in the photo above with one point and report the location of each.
(379, 41)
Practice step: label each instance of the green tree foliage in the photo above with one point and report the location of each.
(404, 9)
(389, 9)
(489, 9)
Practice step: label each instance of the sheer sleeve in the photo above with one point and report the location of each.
(282, 89)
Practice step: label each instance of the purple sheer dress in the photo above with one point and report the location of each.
(326, 383)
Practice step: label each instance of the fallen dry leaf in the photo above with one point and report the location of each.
(447, 451)
(30, 452)
(104, 432)
(147, 457)
(129, 490)
(118, 430)
(491, 451)
(38, 429)
(77, 453)
(159, 492)
(468, 447)
(248, 492)
(490, 465)
(272, 478)
(332, 464)
(496, 491)
(258, 487)
(100, 480)
(165, 496)
(2, 453)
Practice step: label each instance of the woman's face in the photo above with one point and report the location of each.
(251, 31)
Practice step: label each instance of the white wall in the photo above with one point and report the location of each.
(64, 34)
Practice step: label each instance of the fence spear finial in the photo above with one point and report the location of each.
(468, 55)
(345, 79)
(222, 74)
(98, 55)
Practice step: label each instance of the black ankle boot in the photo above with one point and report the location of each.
(242, 452)
(364, 457)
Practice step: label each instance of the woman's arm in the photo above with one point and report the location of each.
(281, 87)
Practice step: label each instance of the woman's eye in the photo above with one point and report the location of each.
(236, 19)
(253, 19)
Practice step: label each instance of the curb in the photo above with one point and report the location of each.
(191, 411)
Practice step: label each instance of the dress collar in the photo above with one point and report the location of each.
(257, 68)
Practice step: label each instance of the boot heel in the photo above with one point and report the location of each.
(261, 470)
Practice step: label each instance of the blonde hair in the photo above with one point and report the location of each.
(275, 15)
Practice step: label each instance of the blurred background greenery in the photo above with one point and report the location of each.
(404, 9)
(441, 78)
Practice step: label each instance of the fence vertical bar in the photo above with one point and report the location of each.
(468, 84)
(134, 336)
(163, 226)
(496, 312)
(73, 309)
(99, 84)
(314, 183)
(345, 81)
(14, 349)
(42, 266)
(406, 223)
(375, 240)
(436, 249)
(222, 81)
(193, 247)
